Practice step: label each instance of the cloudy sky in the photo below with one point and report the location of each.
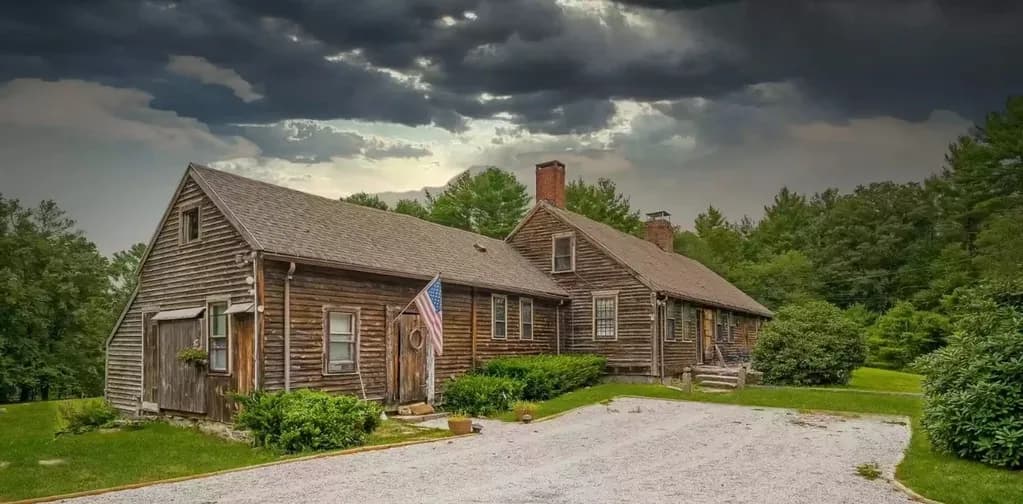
(683, 102)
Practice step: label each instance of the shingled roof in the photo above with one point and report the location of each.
(291, 223)
(662, 271)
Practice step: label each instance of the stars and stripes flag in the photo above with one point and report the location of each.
(428, 301)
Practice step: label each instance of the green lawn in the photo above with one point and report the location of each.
(97, 460)
(884, 380)
(940, 477)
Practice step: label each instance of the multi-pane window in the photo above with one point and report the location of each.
(341, 341)
(688, 317)
(563, 254)
(605, 316)
(671, 311)
(190, 225)
(499, 316)
(719, 326)
(217, 347)
(525, 318)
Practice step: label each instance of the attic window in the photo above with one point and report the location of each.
(563, 252)
(190, 225)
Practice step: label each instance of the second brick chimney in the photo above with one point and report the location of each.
(659, 230)
(550, 183)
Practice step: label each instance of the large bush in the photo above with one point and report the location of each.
(974, 386)
(811, 343)
(904, 333)
(480, 395)
(306, 420)
(546, 376)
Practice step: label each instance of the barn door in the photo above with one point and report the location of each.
(411, 359)
(182, 385)
(243, 337)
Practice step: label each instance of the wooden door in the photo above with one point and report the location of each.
(243, 339)
(182, 385)
(411, 359)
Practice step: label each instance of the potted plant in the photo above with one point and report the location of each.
(524, 411)
(459, 424)
(194, 356)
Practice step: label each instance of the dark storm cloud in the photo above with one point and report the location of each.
(550, 69)
(310, 142)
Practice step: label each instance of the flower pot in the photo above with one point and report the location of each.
(460, 425)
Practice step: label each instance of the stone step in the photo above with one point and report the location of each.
(716, 370)
(716, 377)
(718, 384)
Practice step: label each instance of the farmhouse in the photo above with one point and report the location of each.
(283, 289)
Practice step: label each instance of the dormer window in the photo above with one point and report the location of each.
(563, 252)
(189, 225)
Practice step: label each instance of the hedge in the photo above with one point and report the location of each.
(306, 420)
(547, 376)
(479, 395)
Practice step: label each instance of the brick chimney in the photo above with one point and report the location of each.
(550, 183)
(659, 230)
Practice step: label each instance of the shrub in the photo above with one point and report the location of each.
(480, 395)
(547, 376)
(974, 386)
(306, 420)
(811, 343)
(523, 408)
(84, 415)
(904, 333)
(194, 356)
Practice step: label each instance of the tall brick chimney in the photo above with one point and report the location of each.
(659, 230)
(550, 183)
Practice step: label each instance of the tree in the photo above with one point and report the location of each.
(490, 203)
(999, 246)
(54, 305)
(366, 199)
(811, 343)
(904, 333)
(123, 275)
(722, 238)
(603, 203)
(412, 207)
(787, 223)
(779, 280)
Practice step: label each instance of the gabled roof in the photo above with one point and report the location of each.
(667, 272)
(289, 223)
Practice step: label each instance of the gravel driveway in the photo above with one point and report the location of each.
(633, 450)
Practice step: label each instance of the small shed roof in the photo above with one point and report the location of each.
(184, 313)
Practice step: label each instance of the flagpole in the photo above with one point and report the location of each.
(413, 299)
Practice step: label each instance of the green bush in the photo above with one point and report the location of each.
(904, 333)
(306, 420)
(811, 343)
(974, 386)
(480, 395)
(83, 415)
(547, 376)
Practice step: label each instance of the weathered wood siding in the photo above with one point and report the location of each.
(738, 346)
(313, 287)
(681, 352)
(633, 351)
(175, 276)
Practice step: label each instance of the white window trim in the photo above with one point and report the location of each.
(554, 240)
(670, 310)
(207, 322)
(356, 314)
(532, 317)
(493, 318)
(181, 223)
(593, 313)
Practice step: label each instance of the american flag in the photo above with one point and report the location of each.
(428, 302)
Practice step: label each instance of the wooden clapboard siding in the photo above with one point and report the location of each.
(544, 336)
(314, 287)
(175, 276)
(741, 344)
(633, 351)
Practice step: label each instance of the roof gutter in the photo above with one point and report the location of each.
(412, 276)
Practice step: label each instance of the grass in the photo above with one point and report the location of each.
(98, 460)
(937, 476)
(884, 380)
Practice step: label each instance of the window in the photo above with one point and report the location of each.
(499, 316)
(190, 225)
(670, 311)
(341, 342)
(217, 345)
(688, 316)
(525, 318)
(719, 327)
(605, 316)
(563, 253)
(733, 326)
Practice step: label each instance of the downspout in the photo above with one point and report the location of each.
(255, 320)
(557, 327)
(287, 326)
(659, 332)
(472, 328)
